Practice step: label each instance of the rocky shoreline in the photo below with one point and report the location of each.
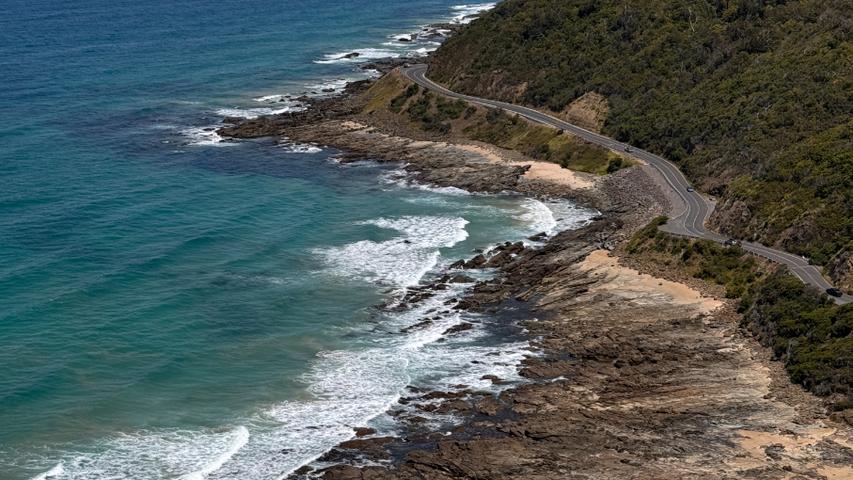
(636, 376)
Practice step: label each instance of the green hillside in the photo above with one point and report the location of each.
(754, 100)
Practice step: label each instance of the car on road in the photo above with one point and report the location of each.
(835, 292)
(628, 149)
(731, 242)
(690, 189)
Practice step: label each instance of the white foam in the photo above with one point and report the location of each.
(423, 51)
(364, 54)
(454, 191)
(465, 13)
(286, 102)
(271, 98)
(56, 472)
(420, 43)
(152, 454)
(400, 261)
(336, 85)
(280, 98)
(372, 73)
(241, 438)
(537, 216)
(553, 216)
(250, 113)
(568, 215)
(400, 178)
(444, 366)
(300, 147)
(205, 136)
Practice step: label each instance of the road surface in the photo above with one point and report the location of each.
(691, 208)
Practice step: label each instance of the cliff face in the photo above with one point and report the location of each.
(752, 99)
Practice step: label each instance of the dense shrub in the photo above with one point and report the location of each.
(397, 102)
(806, 330)
(438, 114)
(804, 327)
(751, 98)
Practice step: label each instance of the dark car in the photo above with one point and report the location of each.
(731, 242)
(690, 189)
(834, 292)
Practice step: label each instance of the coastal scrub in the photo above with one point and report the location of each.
(804, 328)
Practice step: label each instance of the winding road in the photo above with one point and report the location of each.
(690, 208)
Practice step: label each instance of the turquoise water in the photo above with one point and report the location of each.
(177, 306)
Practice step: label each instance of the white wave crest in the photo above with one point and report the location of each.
(300, 147)
(336, 86)
(553, 216)
(400, 178)
(537, 216)
(205, 136)
(277, 98)
(56, 472)
(152, 454)
(250, 113)
(359, 55)
(465, 13)
(403, 260)
(241, 438)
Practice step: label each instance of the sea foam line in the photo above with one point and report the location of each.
(56, 472)
(205, 136)
(241, 438)
(402, 260)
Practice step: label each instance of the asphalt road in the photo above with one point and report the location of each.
(691, 208)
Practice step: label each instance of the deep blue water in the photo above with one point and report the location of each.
(174, 306)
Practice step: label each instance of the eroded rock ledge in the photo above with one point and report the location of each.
(639, 377)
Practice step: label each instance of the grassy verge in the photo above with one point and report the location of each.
(805, 329)
(437, 114)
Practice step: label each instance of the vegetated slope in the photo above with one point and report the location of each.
(806, 330)
(432, 113)
(753, 99)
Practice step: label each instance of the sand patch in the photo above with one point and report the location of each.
(349, 125)
(629, 283)
(419, 144)
(588, 111)
(541, 171)
(484, 152)
(551, 172)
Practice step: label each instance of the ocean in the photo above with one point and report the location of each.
(177, 305)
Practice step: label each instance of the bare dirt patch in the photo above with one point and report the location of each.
(588, 111)
(629, 283)
(539, 171)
